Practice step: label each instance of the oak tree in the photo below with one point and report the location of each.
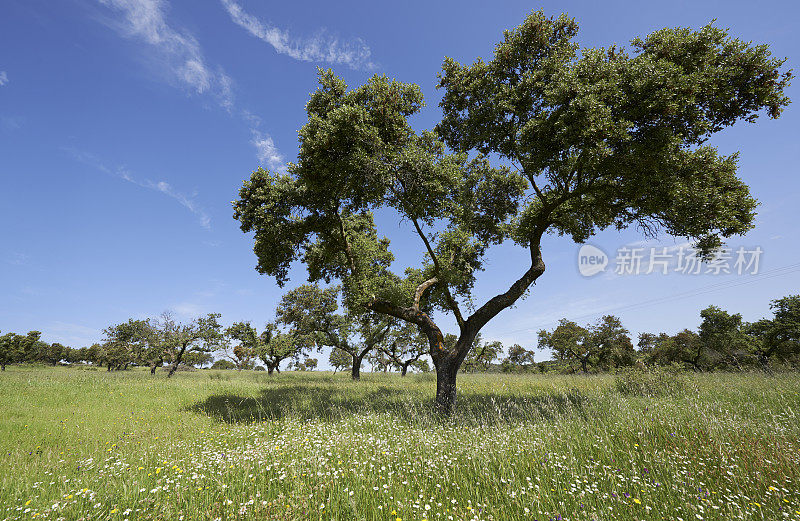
(312, 311)
(586, 139)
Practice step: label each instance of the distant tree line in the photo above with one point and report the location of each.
(722, 342)
(308, 320)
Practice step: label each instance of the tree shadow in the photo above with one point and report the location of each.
(335, 402)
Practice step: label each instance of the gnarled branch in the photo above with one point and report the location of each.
(421, 289)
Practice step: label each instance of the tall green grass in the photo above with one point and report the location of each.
(86, 444)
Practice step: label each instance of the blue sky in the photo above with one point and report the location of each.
(127, 127)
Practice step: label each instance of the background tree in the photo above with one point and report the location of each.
(482, 355)
(92, 354)
(339, 360)
(602, 345)
(246, 347)
(223, 364)
(598, 138)
(723, 338)
(518, 359)
(277, 346)
(53, 353)
(116, 355)
(684, 348)
(134, 341)
(421, 366)
(308, 364)
(777, 338)
(200, 359)
(14, 347)
(379, 362)
(403, 347)
(648, 344)
(75, 355)
(613, 343)
(173, 339)
(569, 342)
(310, 310)
(272, 346)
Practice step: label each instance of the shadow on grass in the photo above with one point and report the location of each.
(330, 402)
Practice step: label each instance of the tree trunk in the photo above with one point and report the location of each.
(176, 363)
(270, 369)
(764, 359)
(404, 369)
(583, 366)
(355, 372)
(446, 373)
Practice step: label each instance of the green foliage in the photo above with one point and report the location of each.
(612, 139)
(482, 355)
(309, 364)
(134, 341)
(684, 348)
(777, 339)
(223, 364)
(16, 348)
(272, 346)
(519, 359)
(311, 313)
(339, 359)
(723, 338)
(602, 345)
(174, 339)
(404, 346)
(589, 138)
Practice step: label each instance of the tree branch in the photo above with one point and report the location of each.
(500, 302)
(348, 251)
(450, 300)
(414, 316)
(421, 289)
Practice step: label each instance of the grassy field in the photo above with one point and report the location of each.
(86, 444)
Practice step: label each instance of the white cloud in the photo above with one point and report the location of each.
(188, 309)
(321, 48)
(17, 259)
(187, 201)
(266, 151)
(178, 49)
(3, 78)
(182, 58)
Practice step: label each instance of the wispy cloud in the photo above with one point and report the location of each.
(321, 48)
(181, 57)
(3, 78)
(179, 51)
(187, 201)
(266, 151)
(202, 300)
(17, 259)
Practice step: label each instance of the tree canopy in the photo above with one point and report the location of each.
(588, 139)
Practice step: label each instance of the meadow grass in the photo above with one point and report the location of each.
(87, 444)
